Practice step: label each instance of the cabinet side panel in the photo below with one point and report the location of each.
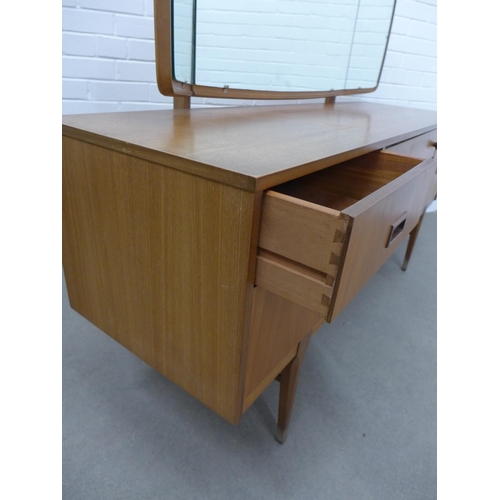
(158, 260)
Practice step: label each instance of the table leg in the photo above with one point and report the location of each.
(411, 242)
(288, 379)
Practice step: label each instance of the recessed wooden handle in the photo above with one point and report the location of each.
(396, 229)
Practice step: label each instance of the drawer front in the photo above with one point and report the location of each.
(320, 257)
(380, 223)
(423, 146)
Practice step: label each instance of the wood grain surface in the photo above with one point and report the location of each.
(299, 230)
(277, 327)
(371, 221)
(301, 221)
(252, 147)
(298, 287)
(158, 259)
(422, 146)
(166, 229)
(341, 186)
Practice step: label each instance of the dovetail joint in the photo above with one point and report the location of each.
(339, 236)
(330, 279)
(334, 259)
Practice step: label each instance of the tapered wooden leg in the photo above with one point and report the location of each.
(411, 242)
(288, 386)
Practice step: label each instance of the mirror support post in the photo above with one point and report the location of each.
(182, 102)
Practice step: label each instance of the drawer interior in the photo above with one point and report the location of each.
(322, 236)
(341, 186)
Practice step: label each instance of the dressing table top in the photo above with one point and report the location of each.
(254, 147)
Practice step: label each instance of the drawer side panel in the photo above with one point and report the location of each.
(300, 231)
(293, 285)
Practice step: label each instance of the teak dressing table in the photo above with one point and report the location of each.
(213, 243)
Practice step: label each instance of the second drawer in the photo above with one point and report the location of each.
(323, 236)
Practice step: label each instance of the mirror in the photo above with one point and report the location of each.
(299, 48)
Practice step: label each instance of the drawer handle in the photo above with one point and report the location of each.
(396, 229)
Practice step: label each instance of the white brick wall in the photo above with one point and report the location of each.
(108, 58)
(282, 44)
(409, 74)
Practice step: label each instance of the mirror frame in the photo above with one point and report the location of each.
(169, 86)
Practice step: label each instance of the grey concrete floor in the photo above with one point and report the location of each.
(363, 425)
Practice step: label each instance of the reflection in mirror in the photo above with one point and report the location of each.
(281, 45)
(184, 18)
(373, 24)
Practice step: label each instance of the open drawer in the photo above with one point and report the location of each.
(324, 235)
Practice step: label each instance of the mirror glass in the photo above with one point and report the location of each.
(281, 45)
(183, 19)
